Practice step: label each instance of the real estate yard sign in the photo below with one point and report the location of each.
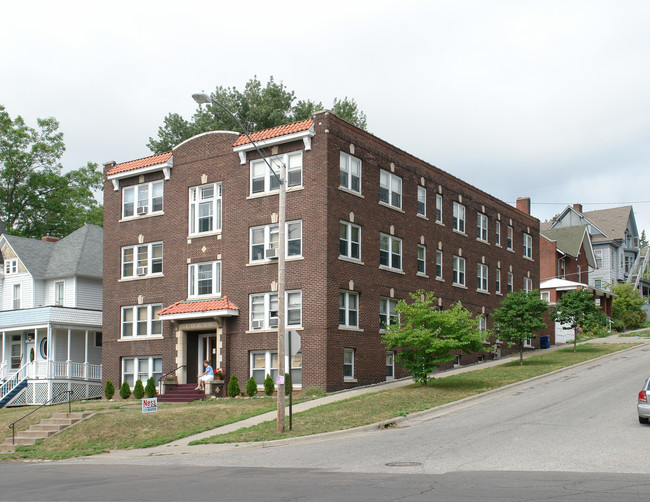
(149, 405)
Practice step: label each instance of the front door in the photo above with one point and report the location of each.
(30, 357)
(207, 350)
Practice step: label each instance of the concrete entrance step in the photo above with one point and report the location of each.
(46, 428)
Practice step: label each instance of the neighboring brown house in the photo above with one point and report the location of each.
(191, 235)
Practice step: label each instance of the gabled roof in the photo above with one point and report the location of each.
(274, 132)
(78, 254)
(569, 240)
(611, 221)
(140, 163)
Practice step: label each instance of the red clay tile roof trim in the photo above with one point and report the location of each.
(274, 132)
(191, 306)
(139, 163)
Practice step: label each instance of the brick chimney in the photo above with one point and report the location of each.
(49, 238)
(523, 204)
(578, 207)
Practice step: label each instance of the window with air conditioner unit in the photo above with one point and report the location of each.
(142, 210)
(143, 199)
(142, 271)
(142, 260)
(257, 324)
(264, 310)
(271, 253)
(264, 241)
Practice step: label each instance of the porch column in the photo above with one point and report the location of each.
(69, 369)
(50, 354)
(86, 358)
(36, 351)
(3, 349)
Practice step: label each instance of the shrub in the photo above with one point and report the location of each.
(138, 389)
(150, 388)
(269, 386)
(251, 387)
(125, 391)
(233, 387)
(287, 384)
(109, 390)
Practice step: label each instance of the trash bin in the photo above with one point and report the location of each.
(545, 342)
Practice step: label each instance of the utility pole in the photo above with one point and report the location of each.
(282, 217)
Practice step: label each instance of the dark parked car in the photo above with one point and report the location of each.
(642, 406)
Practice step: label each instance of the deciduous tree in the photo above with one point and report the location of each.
(627, 306)
(576, 309)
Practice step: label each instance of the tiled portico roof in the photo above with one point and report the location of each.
(197, 306)
(275, 132)
(137, 164)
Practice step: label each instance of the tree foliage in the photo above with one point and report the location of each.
(425, 337)
(627, 306)
(150, 389)
(109, 390)
(576, 309)
(125, 390)
(519, 317)
(257, 106)
(138, 389)
(36, 199)
(269, 386)
(233, 386)
(251, 387)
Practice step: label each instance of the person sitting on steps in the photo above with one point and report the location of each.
(206, 376)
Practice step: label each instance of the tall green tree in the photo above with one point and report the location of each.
(36, 199)
(576, 309)
(258, 106)
(519, 316)
(425, 336)
(627, 306)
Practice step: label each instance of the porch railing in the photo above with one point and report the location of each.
(11, 382)
(65, 369)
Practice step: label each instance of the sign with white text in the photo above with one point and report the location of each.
(149, 405)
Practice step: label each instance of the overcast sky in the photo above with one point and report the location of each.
(547, 99)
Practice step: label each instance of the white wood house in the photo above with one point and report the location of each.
(51, 317)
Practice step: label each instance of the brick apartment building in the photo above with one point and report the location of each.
(187, 274)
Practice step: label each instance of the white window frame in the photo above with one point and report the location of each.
(350, 244)
(482, 277)
(11, 266)
(497, 233)
(271, 235)
(438, 208)
(422, 260)
(390, 187)
(270, 317)
(387, 313)
(482, 227)
(153, 323)
(193, 279)
(528, 246)
(349, 309)
(348, 361)
(17, 296)
(528, 284)
(511, 282)
(439, 263)
(270, 183)
(598, 254)
(498, 280)
(390, 255)
(422, 201)
(136, 262)
(390, 363)
(59, 293)
(459, 214)
(458, 277)
(509, 238)
(197, 200)
(545, 295)
(349, 172)
(271, 367)
(151, 363)
(139, 201)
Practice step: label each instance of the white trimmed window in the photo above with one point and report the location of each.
(528, 284)
(510, 282)
(482, 323)
(350, 241)
(16, 297)
(439, 208)
(204, 279)
(438, 264)
(481, 277)
(11, 267)
(422, 201)
(348, 309)
(390, 252)
(59, 293)
(509, 238)
(390, 189)
(545, 295)
(141, 368)
(205, 209)
(143, 199)
(264, 363)
(144, 260)
(459, 271)
(348, 364)
(422, 260)
(264, 181)
(497, 233)
(498, 280)
(266, 237)
(387, 313)
(390, 365)
(528, 246)
(459, 218)
(264, 310)
(481, 227)
(598, 253)
(141, 321)
(350, 172)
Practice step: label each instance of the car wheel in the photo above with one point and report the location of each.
(643, 420)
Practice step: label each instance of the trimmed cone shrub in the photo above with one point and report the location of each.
(109, 390)
(269, 386)
(150, 388)
(138, 389)
(233, 387)
(251, 387)
(125, 391)
(287, 384)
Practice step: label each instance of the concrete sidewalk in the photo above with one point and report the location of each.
(181, 446)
